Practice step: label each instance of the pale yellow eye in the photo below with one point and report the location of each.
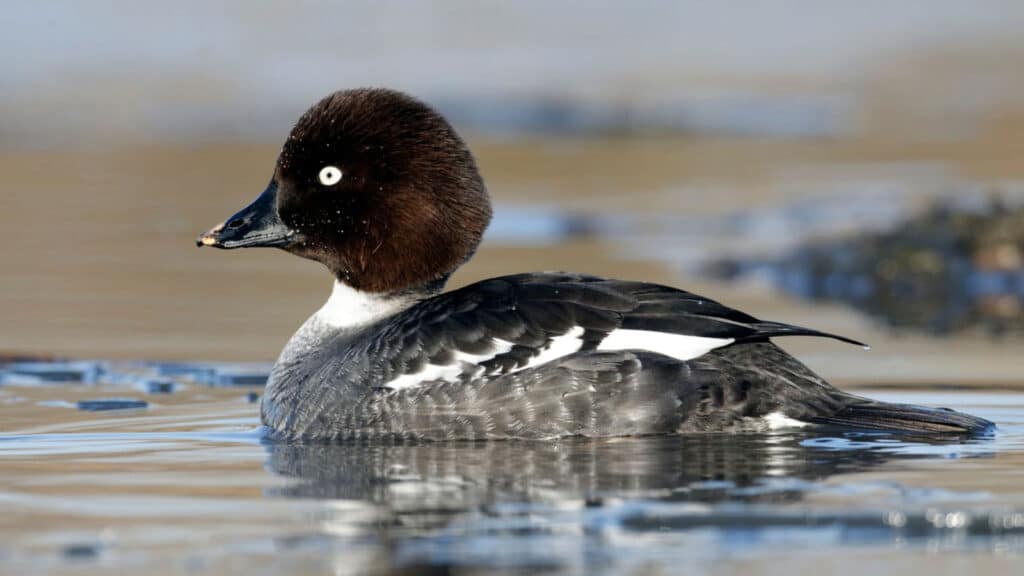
(330, 175)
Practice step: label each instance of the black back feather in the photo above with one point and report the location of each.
(529, 310)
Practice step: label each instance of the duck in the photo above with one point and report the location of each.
(378, 187)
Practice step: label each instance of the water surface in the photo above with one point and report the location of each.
(187, 485)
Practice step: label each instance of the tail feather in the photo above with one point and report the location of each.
(775, 329)
(870, 415)
(772, 381)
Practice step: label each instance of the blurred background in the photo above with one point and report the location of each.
(851, 166)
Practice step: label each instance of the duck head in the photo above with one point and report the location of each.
(376, 186)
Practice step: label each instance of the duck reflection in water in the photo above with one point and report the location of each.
(463, 476)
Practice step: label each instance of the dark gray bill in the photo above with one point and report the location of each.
(255, 225)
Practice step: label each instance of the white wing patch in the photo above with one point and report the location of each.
(430, 372)
(678, 346)
(778, 421)
(559, 346)
(463, 363)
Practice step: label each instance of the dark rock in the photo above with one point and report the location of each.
(80, 551)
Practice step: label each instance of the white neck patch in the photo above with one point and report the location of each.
(351, 308)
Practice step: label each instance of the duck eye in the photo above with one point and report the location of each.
(330, 175)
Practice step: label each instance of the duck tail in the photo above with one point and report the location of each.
(871, 415)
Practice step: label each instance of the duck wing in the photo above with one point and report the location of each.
(505, 325)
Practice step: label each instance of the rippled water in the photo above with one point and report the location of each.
(166, 472)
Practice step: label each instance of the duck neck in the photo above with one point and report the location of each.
(347, 312)
(348, 316)
(349, 309)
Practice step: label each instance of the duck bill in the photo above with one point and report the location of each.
(258, 224)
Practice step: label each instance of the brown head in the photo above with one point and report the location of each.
(376, 186)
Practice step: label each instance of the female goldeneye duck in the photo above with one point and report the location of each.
(380, 189)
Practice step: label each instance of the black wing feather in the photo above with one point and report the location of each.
(529, 310)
